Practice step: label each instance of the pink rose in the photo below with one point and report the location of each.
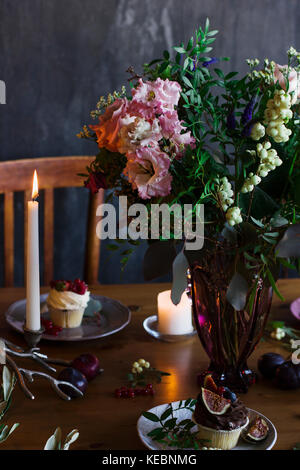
(107, 130)
(161, 95)
(147, 171)
(294, 81)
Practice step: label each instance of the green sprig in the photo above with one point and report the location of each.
(175, 433)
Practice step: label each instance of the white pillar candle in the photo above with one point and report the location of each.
(174, 319)
(33, 316)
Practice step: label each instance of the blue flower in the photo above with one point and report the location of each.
(248, 111)
(213, 60)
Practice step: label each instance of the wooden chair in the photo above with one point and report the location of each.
(53, 172)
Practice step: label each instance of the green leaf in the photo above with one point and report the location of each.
(187, 82)
(166, 413)
(289, 245)
(151, 416)
(237, 291)
(272, 282)
(181, 50)
(112, 247)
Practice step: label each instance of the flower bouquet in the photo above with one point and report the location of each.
(189, 134)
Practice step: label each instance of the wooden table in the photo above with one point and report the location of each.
(106, 422)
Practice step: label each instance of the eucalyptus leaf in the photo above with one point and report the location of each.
(237, 291)
(53, 443)
(71, 437)
(180, 267)
(6, 432)
(289, 245)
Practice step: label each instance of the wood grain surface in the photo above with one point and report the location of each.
(106, 422)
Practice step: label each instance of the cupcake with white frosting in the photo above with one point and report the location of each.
(67, 301)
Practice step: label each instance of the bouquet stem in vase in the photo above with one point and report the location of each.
(228, 336)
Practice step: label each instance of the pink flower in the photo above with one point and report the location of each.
(107, 130)
(147, 171)
(172, 130)
(294, 80)
(161, 95)
(137, 132)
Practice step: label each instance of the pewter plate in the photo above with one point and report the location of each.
(113, 317)
(144, 426)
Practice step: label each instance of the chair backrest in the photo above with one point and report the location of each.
(53, 172)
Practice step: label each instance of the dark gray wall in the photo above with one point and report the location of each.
(58, 56)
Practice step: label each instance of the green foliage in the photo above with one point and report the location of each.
(212, 107)
(175, 433)
(8, 384)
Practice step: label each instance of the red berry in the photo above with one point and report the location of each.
(131, 394)
(149, 386)
(221, 391)
(118, 393)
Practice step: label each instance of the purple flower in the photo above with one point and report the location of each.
(231, 121)
(248, 111)
(247, 129)
(213, 60)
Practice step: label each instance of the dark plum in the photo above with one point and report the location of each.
(88, 364)
(267, 364)
(288, 376)
(74, 377)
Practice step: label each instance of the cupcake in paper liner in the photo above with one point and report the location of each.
(67, 301)
(220, 420)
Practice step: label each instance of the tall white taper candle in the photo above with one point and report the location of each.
(33, 316)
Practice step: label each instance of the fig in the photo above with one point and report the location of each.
(288, 376)
(88, 365)
(75, 377)
(209, 384)
(258, 429)
(268, 363)
(215, 404)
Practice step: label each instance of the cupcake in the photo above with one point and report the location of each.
(220, 417)
(67, 301)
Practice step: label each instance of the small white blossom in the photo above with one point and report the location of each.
(233, 216)
(278, 334)
(258, 131)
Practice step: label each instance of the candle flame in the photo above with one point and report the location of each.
(35, 188)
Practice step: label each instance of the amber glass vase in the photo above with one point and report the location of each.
(228, 336)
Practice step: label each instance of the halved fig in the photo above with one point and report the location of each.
(215, 404)
(209, 384)
(258, 429)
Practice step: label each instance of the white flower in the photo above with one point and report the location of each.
(258, 131)
(136, 131)
(276, 114)
(225, 193)
(233, 216)
(278, 334)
